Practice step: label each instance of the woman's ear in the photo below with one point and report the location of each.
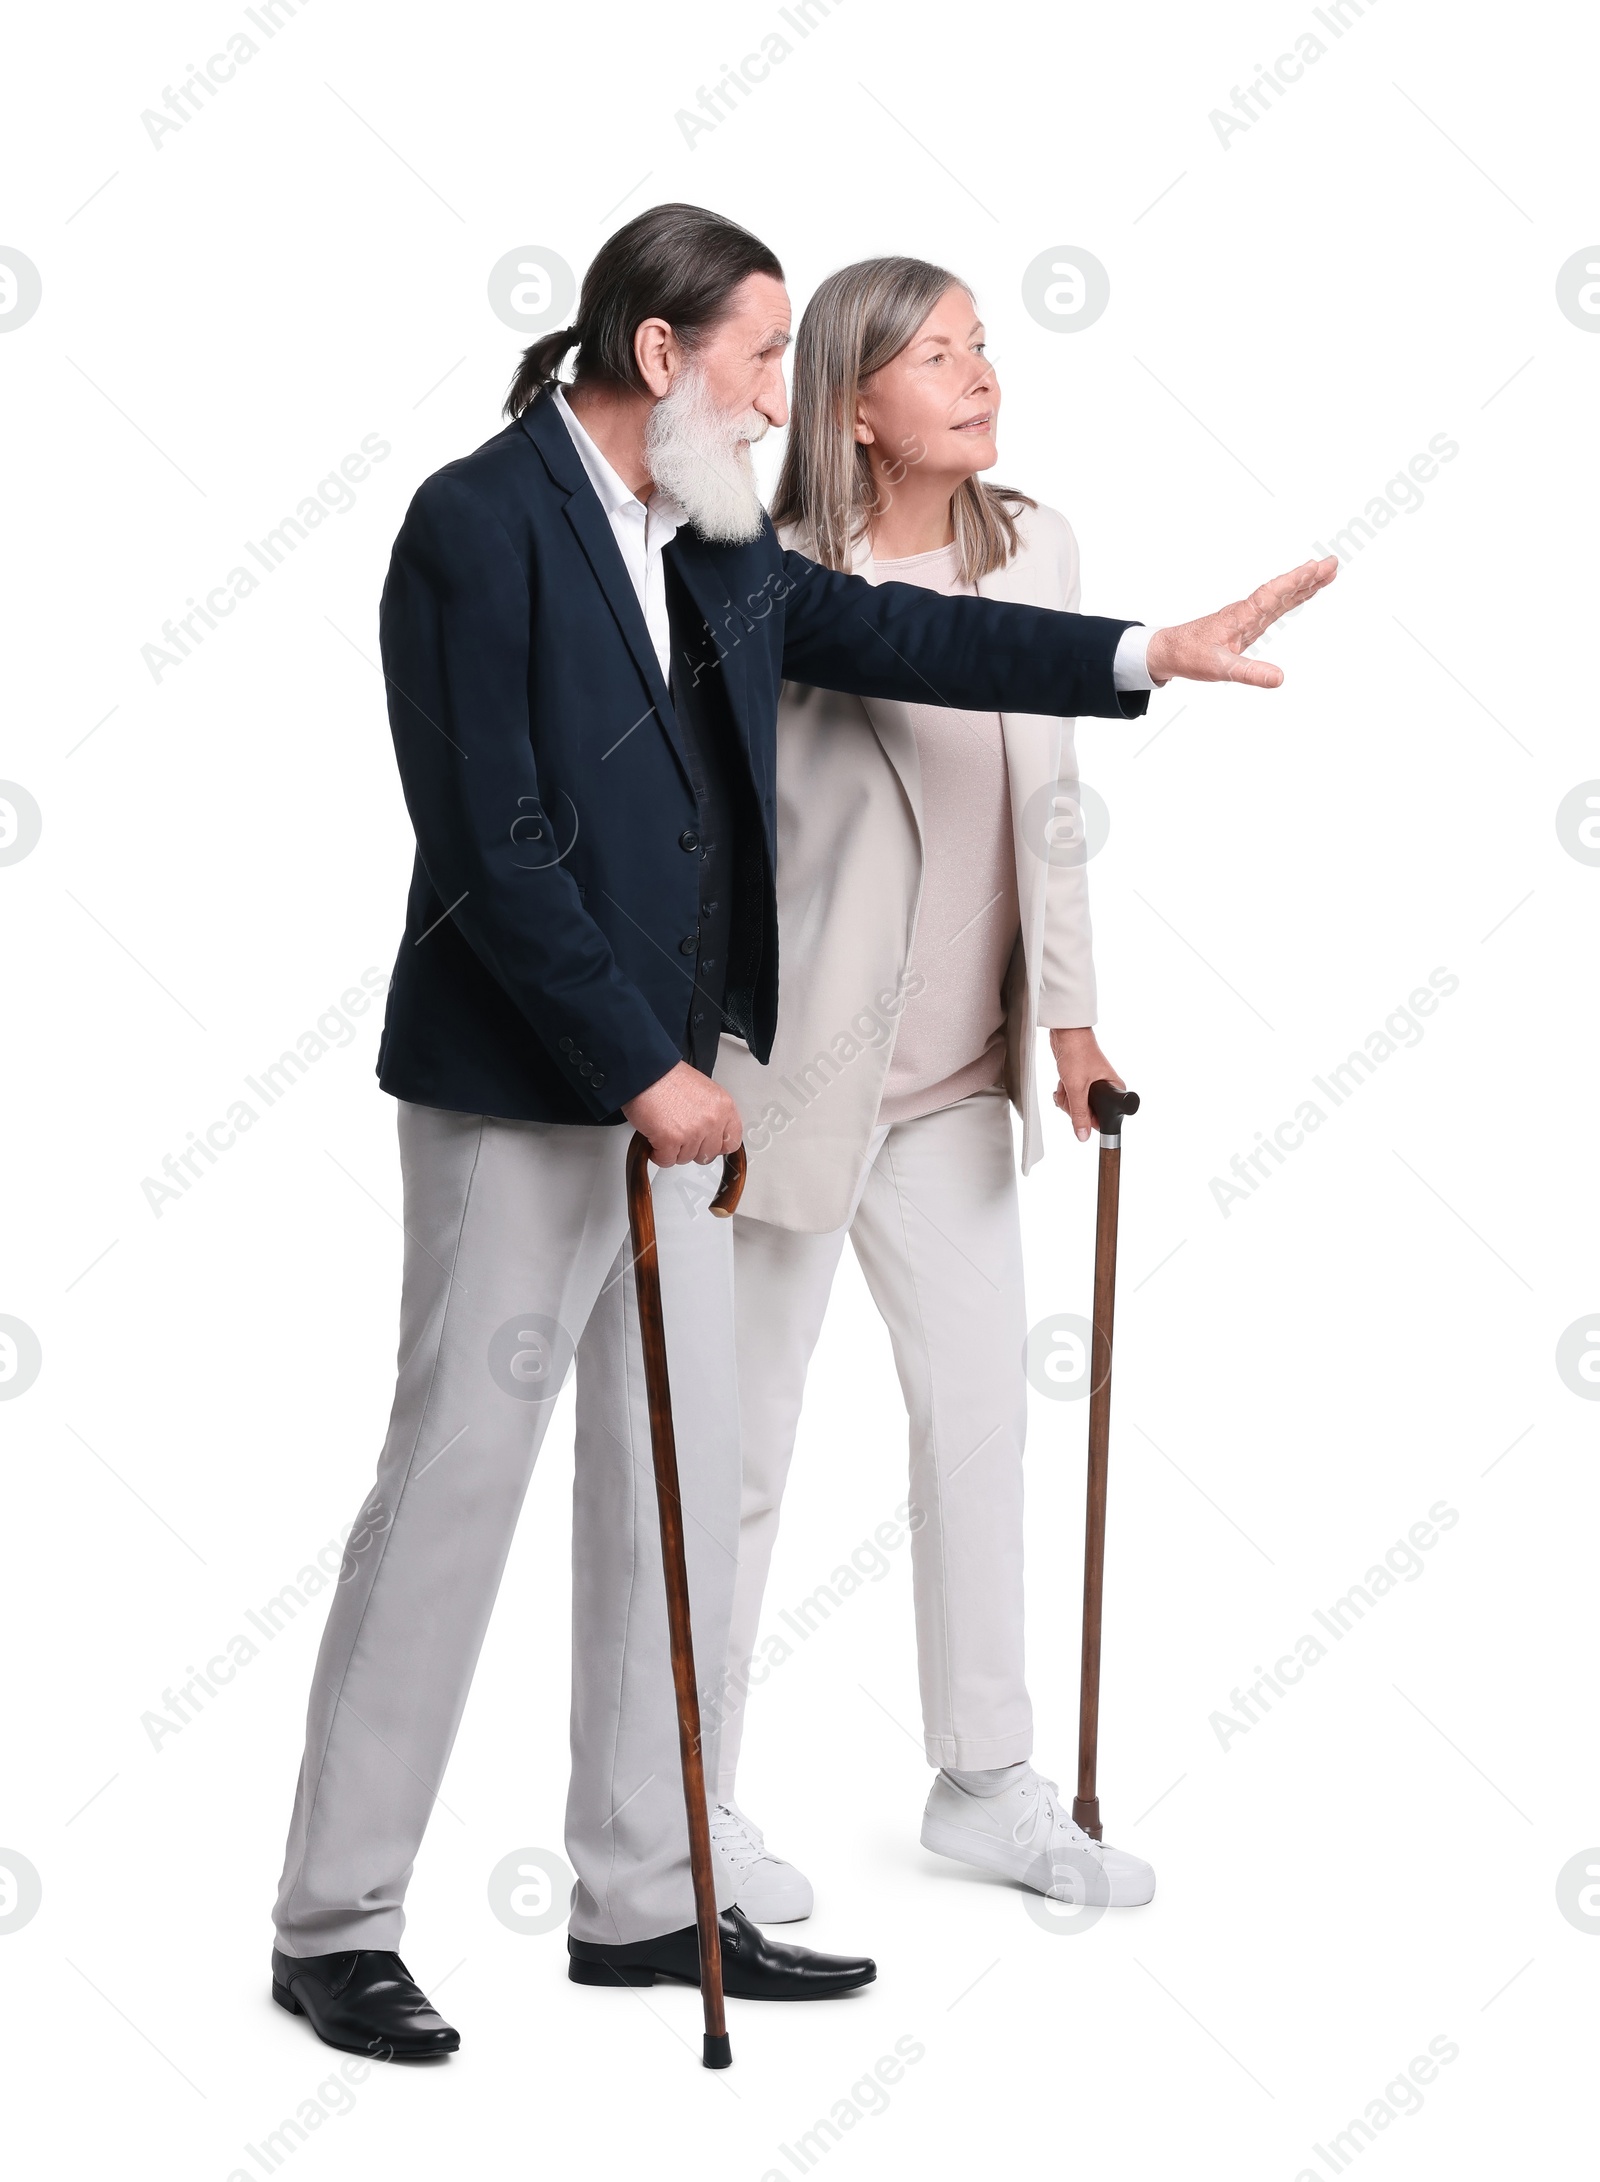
(864, 433)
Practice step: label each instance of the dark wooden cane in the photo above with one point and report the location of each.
(1108, 1105)
(716, 2052)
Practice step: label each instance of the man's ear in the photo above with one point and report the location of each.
(658, 355)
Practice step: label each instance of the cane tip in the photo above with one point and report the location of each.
(718, 2051)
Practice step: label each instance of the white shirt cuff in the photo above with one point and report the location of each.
(1128, 670)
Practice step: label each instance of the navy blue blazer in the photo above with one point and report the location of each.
(540, 977)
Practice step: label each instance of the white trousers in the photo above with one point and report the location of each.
(516, 1256)
(937, 1235)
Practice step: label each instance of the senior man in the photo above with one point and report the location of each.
(584, 630)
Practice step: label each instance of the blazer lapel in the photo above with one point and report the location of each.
(1033, 742)
(891, 720)
(706, 585)
(1033, 757)
(542, 423)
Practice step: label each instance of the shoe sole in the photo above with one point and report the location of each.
(775, 1916)
(639, 1973)
(967, 1848)
(285, 1999)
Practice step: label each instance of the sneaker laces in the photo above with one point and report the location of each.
(742, 1843)
(1040, 1823)
(1077, 1868)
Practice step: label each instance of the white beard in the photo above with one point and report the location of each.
(699, 455)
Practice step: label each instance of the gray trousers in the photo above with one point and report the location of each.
(936, 1230)
(517, 1258)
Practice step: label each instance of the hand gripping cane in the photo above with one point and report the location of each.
(1108, 1105)
(716, 2052)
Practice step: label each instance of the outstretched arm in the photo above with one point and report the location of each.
(897, 640)
(1211, 649)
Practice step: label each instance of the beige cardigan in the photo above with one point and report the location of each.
(849, 884)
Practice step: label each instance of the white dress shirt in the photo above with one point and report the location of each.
(640, 527)
(643, 527)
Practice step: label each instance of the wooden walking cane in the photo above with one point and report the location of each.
(716, 2052)
(1108, 1105)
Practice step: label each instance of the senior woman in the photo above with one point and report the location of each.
(931, 913)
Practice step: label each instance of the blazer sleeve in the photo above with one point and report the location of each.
(983, 655)
(454, 634)
(1067, 995)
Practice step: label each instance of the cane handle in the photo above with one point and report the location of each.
(1108, 1105)
(726, 1201)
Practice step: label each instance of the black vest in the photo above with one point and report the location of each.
(722, 955)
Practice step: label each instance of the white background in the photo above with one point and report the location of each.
(1292, 317)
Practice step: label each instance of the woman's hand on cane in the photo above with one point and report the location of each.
(1079, 1063)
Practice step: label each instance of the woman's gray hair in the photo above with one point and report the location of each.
(859, 320)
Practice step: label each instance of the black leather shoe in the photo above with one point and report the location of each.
(753, 1967)
(363, 2001)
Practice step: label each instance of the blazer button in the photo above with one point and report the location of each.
(688, 840)
(565, 1044)
(689, 945)
(597, 1079)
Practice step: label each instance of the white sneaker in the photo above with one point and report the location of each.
(1025, 1833)
(769, 1890)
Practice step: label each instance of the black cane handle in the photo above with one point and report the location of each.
(1108, 1105)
